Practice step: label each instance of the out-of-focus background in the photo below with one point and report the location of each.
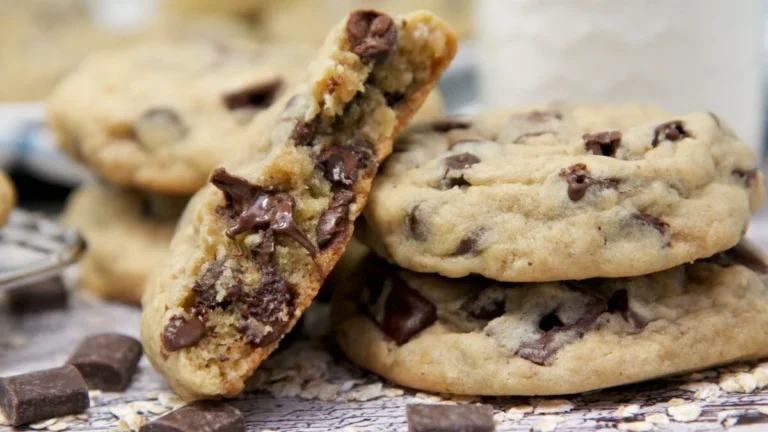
(683, 55)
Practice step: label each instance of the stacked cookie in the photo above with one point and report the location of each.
(152, 121)
(558, 250)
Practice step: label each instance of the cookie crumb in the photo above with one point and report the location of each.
(393, 392)
(703, 390)
(739, 382)
(685, 413)
(657, 418)
(547, 424)
(625, 411)
(676, 401)
(637, 426)
(550, 406)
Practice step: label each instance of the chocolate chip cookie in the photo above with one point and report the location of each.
(160, 116)
(127, 233)
(478, 336)
(259, 241)
(7, 197)
(562, 192)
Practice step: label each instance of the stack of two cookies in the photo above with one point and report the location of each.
(557, 250)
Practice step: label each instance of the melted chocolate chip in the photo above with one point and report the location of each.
(304, 133)
(671, 131)
(342, 163)
(449, 124)
(468, 244)
(602, 143)
(748, 176)
(259, 95)
(181, 332)
(371, 34)
(268, 309)
(406, 312)
(578, 179)
(461, 161)
(619, 302)
(335, 220)
(652, 221)
(413, 227)
(255, 207)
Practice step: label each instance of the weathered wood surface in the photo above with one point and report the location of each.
(45, 340)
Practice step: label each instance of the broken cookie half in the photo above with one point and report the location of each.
(255, 245)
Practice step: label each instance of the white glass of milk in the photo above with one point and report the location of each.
(683, 55)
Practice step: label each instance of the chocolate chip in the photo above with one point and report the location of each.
(38, 297)
(208, 416)
(468, 244)
(159, 127)
(619, 302)
(107, 361)
(450, 418)
(578, 179)
(267, 309)
(304, 133)
(413, 226)
(540, 351)
(748, 176)
(36, 396)
(487, 304)
(461, 161)
(747, 254)
(341, 163)
(334, 221)
(406, 312)
(255, 207)
(394, 98)
(602, 143)
(652, 221)
(371, 34)
(448, 124)
(181, 332)
(671, 131)
(260, 95)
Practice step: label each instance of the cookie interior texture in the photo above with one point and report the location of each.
(482, 337)
(612, 191)
(161, 115)
(7, 197)
(238, 280)
(127, 233)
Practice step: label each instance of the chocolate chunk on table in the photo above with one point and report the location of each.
(200, 416)
(36, 396)
(450, 418)
(37, 297)
(107, 361)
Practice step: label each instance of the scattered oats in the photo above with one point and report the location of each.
(288, 388)
(464, 399)
(549, 406)
(499, 417)
(676, 401)
(429, 397)
(722, 416)
(657, 418)
(685, 413)
(93, 396)
(133, 421)
(58, 426)
(347, 385)
(520, 409)
(739, 382)
(547, 424)
(393, 392)
(146, 407)
(625, 411)
(83, 416)
(348, 429)
(152, 395)
(364, 393)
(42, 424)
(3, 420)
(761, 374)
(170, 400)
(762, 409)
(636, 426)
(699, 376)
(703, 390)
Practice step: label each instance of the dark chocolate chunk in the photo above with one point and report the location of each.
(449, 124)
(450, 418)
(452, 182)
(340, 164)
(254, 207)
(260, 95)
(540, 351)
(578, 179)
(468, 244)
(748, 176)
(107, 361)
(619, 302)
(652, 221)
(602, 143)
(461, 161)
(371, 34)
(36, 396)
(304, 132)
(335, 220)
(37, 297)
(671, 131)
(413, 227)
(199, 416)
(159, 127)
(182, 332)
(406, 312)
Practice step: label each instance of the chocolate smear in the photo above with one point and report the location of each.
(334, 221)
(371, 34)
(413, 226)
(468, 244)
(602, 143)
(670, 131)
(652, 221)
(260, 95)
(182, 332)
